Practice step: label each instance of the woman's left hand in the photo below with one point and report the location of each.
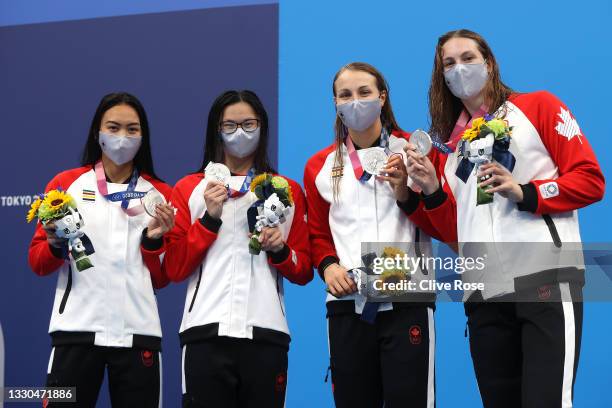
(397, 176)
(162, 222)
(271, 239)
(500, 181)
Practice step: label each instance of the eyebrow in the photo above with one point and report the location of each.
(233, 121)
(465, 54)
(361, 88)
(119, 124)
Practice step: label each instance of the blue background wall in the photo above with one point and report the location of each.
(560, 46)
(52, 78)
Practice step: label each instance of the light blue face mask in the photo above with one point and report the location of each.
(466, 80)
(359, 114)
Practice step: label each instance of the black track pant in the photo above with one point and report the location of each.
(525, 354)
(234, 373)
(390, 362)
(133, 375)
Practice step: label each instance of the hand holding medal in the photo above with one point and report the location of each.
(218, 172)
(218, 176)
(421, 141)
(373, 160)
(161, 212)
(396, 174)
(419, 167)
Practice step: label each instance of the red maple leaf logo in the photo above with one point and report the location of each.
(415, 335)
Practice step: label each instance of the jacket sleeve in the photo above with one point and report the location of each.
(419, 214)
(187, 242)
(580, 181)
(321, 241)
(436, 214)
(433, 213)
(153, 250)
(293, 261)
(43, 258)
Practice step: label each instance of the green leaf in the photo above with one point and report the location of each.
(482, 197)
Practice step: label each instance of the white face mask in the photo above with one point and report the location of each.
(240, 143)
(120, 149)
(359, 114)
(466, 80)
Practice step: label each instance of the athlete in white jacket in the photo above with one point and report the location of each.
(234, 332)
(386, 347)
(526, 324)
(106, 317)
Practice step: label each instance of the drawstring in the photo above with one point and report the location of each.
(327, 373)
(466, 330)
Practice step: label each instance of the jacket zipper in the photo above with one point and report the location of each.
(552, 228)
(231, 306)
(376, 211)
(67, 291)
(195, 292)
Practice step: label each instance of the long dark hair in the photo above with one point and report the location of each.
(93, 152)
(444, 107)
(213, 148)
(386, 115)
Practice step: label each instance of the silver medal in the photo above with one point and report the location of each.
(374, 160)
(422, 141)
(218, 172)
(151, 200)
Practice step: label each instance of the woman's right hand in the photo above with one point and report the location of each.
(338, 281)
(421, 170)
(53, 239)
(215, 195)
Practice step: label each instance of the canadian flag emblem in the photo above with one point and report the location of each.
(567, 126)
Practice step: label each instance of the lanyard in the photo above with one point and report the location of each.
(463, 122)
(246, 184)
(360, 173)
(123, 196)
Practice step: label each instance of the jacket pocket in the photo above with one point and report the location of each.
(67, 291)
(552, 228)
(195, 292)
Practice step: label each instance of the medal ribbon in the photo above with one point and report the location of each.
(246, 185)
(123, 196)
(445, 149)
(463, 123)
